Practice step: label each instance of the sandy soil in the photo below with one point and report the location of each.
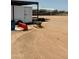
(49, 42)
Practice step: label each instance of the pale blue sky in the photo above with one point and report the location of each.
(54, 4)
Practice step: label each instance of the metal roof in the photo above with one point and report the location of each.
(23, 2)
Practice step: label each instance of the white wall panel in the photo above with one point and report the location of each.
(22, 13)
(28, 14)
(19, 13)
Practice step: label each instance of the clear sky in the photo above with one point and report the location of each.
(54, 4)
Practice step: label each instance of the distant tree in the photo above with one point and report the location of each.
(48, 12)
(54, 12)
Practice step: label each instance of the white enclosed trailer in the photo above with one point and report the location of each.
(22, 13)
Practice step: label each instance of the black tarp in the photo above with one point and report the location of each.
(23, 2)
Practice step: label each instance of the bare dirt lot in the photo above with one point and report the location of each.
(49, 42)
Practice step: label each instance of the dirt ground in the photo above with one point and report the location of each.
(49, 42)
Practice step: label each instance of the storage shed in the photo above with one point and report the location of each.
(18, 12)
